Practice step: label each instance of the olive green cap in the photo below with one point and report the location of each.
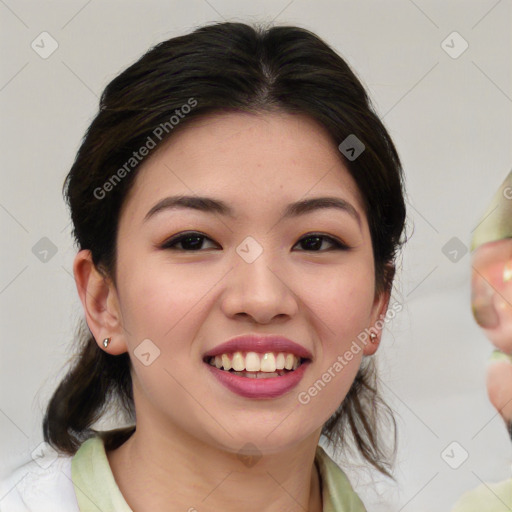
(496, 223)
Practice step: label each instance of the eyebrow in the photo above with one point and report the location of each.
(210, 205)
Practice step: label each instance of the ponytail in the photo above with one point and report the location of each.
(96, 380)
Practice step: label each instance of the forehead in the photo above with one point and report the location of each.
(250, 160)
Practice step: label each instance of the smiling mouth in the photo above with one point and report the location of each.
(254, 365)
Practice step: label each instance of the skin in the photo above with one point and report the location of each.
(492, 307)
(190, 428)
(492, 291)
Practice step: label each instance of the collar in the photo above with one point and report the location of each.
(96, 488)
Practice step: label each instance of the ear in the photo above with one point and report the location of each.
(378, 313)
(100, 302)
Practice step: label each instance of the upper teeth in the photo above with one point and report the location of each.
(251, 362)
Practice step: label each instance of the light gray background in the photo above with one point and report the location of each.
(450, 119)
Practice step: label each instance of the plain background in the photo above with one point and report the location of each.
(450, 119)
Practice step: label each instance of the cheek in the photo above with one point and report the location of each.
(345, 301)
(158, 298)
(344, 305)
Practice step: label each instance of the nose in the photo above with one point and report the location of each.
(257, 291)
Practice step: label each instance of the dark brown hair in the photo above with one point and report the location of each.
(221, 67)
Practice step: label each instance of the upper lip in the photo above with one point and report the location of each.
(261, 344)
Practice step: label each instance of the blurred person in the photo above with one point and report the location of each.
(491, 303)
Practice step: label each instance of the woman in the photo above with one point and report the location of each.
(238, 208)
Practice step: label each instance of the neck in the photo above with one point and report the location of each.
(169, 470)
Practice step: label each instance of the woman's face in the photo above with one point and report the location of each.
(257, 271)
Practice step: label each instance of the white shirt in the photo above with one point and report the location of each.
(41, 485)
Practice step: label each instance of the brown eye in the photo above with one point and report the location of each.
(313, 242)
(190, 242)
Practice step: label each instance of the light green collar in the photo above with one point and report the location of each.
(95, 487)
(97, 491)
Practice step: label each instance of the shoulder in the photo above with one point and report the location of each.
(337, 492)
(41, 485)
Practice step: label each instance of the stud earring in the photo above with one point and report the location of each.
(373, 337)
(106, 341)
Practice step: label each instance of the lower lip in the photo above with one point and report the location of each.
(272, 387)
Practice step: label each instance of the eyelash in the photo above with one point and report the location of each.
(171, 242)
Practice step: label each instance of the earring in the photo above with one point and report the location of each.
(373, 337)
(106, 341)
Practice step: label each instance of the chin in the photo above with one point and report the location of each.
(262, 440)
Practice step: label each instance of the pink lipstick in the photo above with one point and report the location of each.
(256, 366)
